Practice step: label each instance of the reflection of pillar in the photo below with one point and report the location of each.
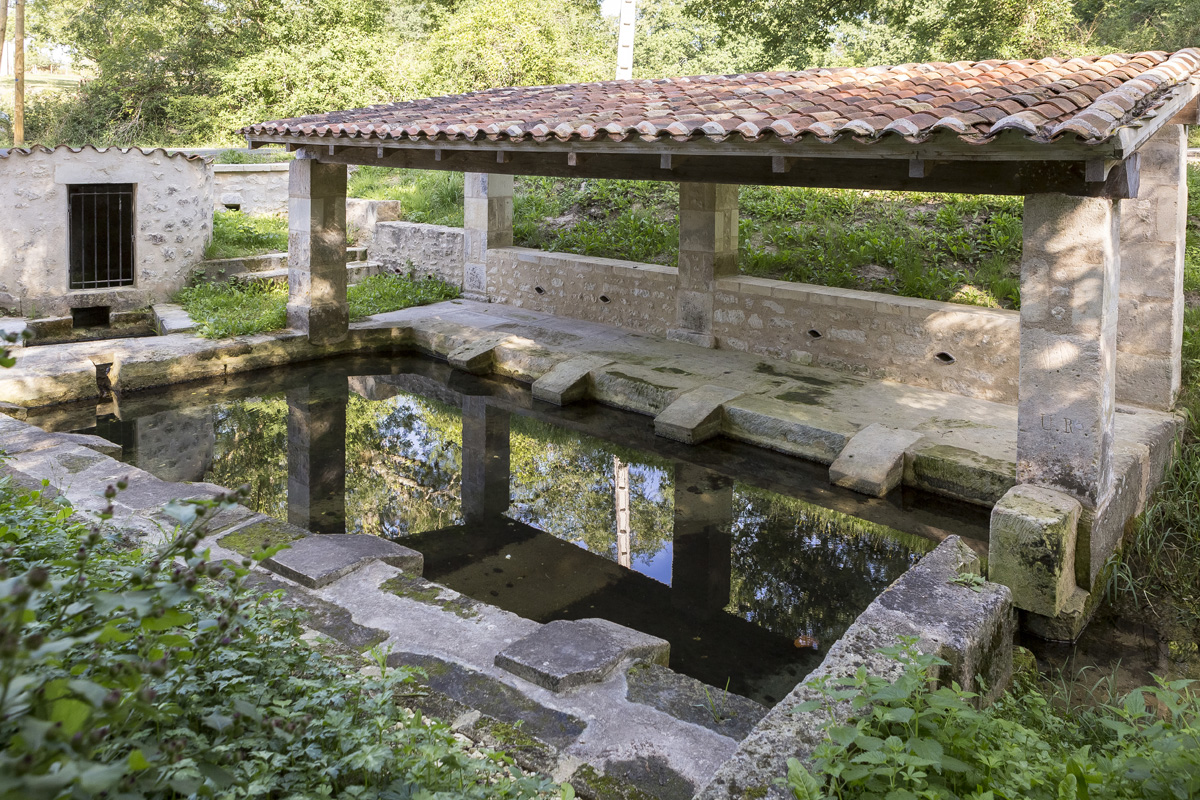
(484, 459)
(621, 496)
(317, 458)
(701, 561)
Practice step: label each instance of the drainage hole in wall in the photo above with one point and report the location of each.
(90, 317)
(604, 298)
(539, 290)
(945, 358)
(233, 206)
(815, 334)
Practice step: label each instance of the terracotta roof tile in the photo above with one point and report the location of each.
(1091, 98)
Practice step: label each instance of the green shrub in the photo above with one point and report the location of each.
(158, 674)
(906, 741)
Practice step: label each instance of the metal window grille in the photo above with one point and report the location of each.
(101, 225)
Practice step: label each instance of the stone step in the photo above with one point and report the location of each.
(357, 272)
(226, 268)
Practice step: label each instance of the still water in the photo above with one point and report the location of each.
(745, 560)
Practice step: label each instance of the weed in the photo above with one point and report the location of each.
(237, 235)
(715, 707)
(969, 580)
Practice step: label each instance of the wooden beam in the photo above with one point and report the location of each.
(916, 168)
(1189, 115)
(781, 165)
(503, 156)
(1033, 177)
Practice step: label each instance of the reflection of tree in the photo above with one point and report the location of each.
(403, 465)
(803, 570)
(562, 483)
(251, 448)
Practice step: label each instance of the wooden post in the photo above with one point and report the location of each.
(19, 76)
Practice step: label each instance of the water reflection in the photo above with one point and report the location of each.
(750, 586)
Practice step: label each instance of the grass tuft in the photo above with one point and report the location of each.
(381, 293)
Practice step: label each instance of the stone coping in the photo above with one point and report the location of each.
(275, 166)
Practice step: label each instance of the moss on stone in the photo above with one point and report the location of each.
(429, 593)
(754, 793)
(260, 536)
(509, 735)
(591, 784)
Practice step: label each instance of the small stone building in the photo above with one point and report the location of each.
(87, 232)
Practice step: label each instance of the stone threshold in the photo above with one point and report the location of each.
(955, 446)
(584, 701)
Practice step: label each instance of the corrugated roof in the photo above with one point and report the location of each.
(1090, 98)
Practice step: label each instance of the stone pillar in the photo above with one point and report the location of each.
(484, 459)
(488, 222)
(708, 250)
(1153, 228)
(317, 250)
(316, 430)
(702, 544)
(1069, 275)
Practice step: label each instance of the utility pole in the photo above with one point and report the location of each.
(621, 496)
(19, 74)
(624, 40)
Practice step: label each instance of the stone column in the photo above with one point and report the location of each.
(317, 250)
(484, 459)
(702, 547)
(708, 250)
(316, 430)
(1070, 270)
(1153, 227)
(488, 220)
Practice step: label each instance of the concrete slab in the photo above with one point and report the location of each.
(171, 318)
(690, 700)
(872, 462)
(318, 560)
(696, 416)
(567, 382)
(564, 654)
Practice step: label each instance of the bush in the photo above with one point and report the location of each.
(907, 741)
(158, 674)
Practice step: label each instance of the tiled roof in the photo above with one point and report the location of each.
(1090, 98)
(25, 151)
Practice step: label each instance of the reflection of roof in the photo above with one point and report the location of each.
(1090, 98)
(25, 151)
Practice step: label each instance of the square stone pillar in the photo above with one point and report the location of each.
(1153, 228)
(708, 250)
(1070, 270)
(488, 222)
(702, 540)
(317, 250)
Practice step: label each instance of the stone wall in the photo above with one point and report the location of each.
(433, 249)
(252, 188)
(967, 350)
(362, 217)
(626, 294)
(173, 223)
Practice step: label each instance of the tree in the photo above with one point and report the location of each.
(672, 41)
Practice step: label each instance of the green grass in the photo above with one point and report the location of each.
(941, 247)
(239, 309)
(238, 235)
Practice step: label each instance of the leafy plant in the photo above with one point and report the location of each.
(906, 739)
(237, 235)
(158, 674)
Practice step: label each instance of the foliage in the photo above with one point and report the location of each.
(906, 740)
(252, 157)
(158, 674)
(1141, 24)
(671, 40)
(250, 306)
(425, 196)
(516, 43)
(237, 235)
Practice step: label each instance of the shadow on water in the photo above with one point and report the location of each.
(747, 561)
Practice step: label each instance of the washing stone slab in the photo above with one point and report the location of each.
(317, 560)
(567, 381)
(567, 653)
(696, 416)
(872, 462)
